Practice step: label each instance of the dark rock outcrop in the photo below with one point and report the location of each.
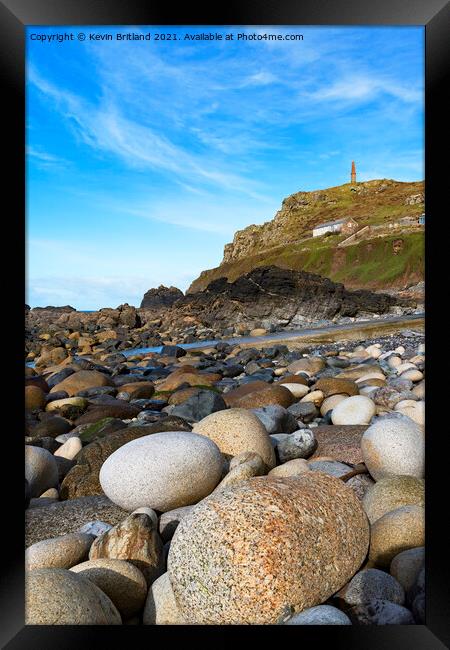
(160, 297)
(284, 296)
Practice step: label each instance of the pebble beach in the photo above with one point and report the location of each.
(257, 485)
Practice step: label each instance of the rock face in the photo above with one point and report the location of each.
(259, 551)
(160, 297)
(280, 295)
(60, 597)
(235, 431)
(162, 471)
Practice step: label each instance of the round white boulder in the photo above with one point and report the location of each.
(358, 409)
(394, 447)
(162, 471)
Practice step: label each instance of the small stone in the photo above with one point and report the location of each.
(270, 394)
(392, 447)
(240, 473)
(320, 615)
(161, 607)
(304, 411)
(297, 390)
(353, 410)
(41, 470)
(380, 612)
(82, 380)
(61, 597)
(276, 419)
(136, 540)
(168, 522)
(370, 584)
(95, 528)
(200, 405)
(300, 444)
(121, 581)
(291, 468)
(34, 398)
(316, 397)
(311, 365)
(147, 511)
(59, 552)
(336, 386)
(333, 468)
(329, 403)
(405, 566)
(70, 448)
(396, 531)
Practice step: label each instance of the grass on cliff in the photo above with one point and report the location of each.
(370, 263)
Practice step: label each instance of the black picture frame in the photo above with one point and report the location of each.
(15, 15)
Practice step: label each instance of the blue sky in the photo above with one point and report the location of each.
(145, 157)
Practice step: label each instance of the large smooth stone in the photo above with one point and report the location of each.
(255, 551)
(59, 552)
(310, 365)
(82, 380)
(163, 471)
(358, 409)
(392, 493)
(83, 478)
(320, 615)
(237, 430)
(396, 531)
(136, 540)
(392, 447)
(68, 516)
(120, 580)
(41, 470)
(60, 597)
(161, 607)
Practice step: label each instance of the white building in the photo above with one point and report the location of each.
(346, 225)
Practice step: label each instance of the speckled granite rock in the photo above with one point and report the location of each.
(342, 442)
(69, 516)
(393, 447)
(392, 493)
(59, 552)
(235, 431)
(396, 531)
(265, 548)
(136, 540)
(370, 584)
(121, 581)
(60, 597)
(162, 471)
(83, 478)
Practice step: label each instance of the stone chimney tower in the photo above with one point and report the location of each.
(353, 175)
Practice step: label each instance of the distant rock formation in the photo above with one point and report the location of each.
(283, 296)
(161, 297)
(64, 309)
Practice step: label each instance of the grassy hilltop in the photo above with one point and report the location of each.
(386, 258)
